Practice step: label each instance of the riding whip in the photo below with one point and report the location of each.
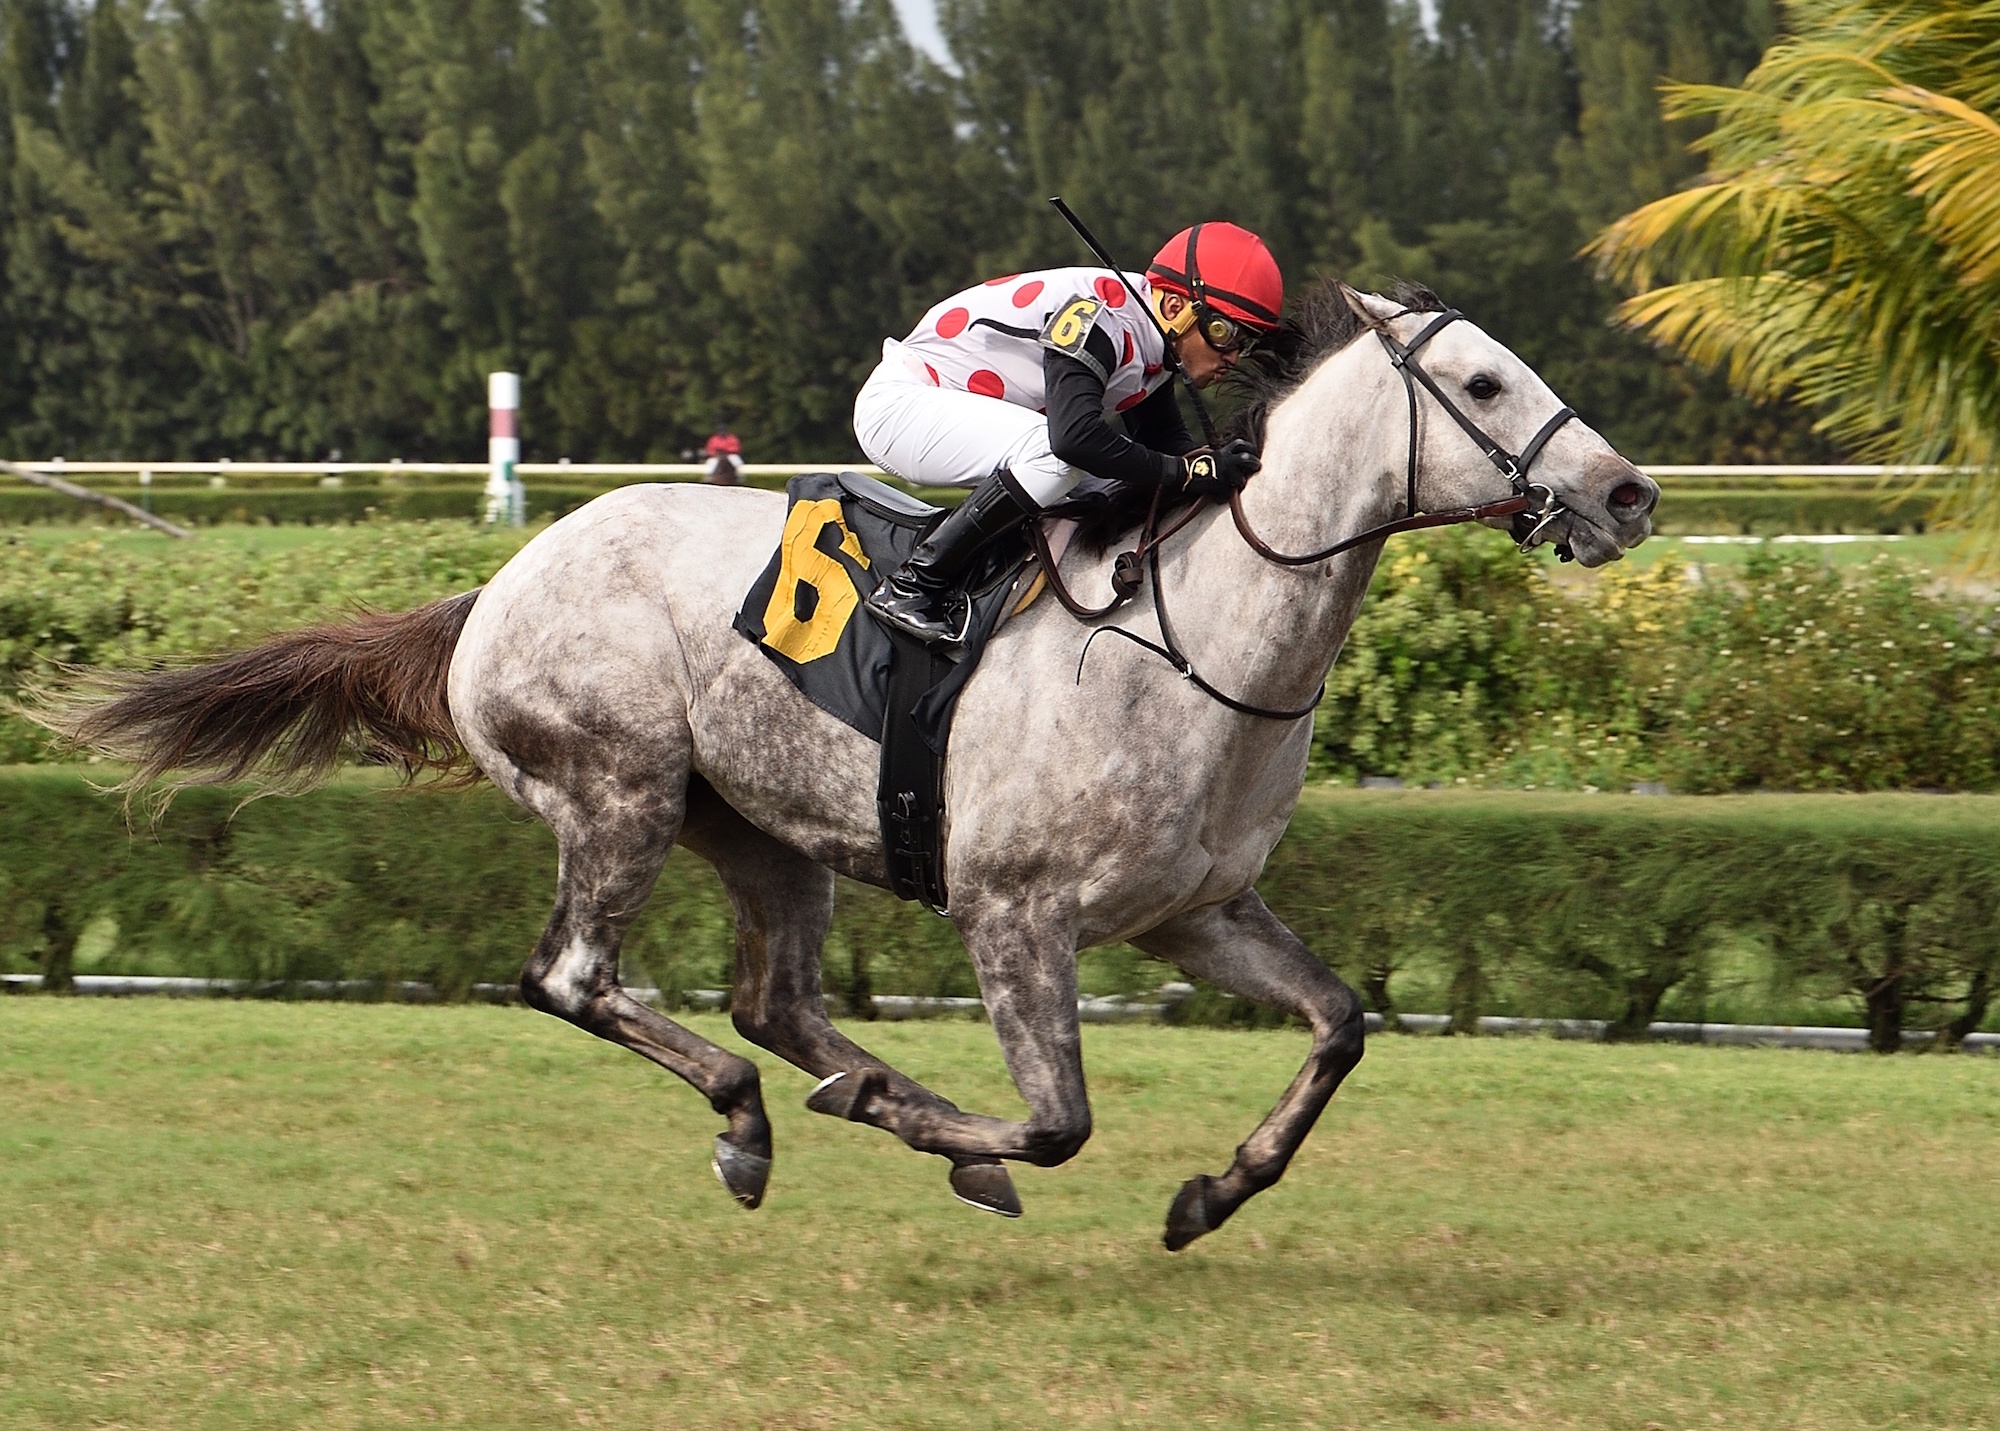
(1173, 361)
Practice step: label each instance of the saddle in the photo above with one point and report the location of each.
(843, 533)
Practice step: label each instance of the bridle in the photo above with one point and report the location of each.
(1533, 506)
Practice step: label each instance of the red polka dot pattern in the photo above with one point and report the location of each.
(933, 374)
(1132, 401)
(1111, 291)
(986, 383)
(1128, 351)
(1027, 293)
(953, 322)
(1004, 278)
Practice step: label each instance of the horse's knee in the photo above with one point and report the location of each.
(1342, 1030)
(1051, 1142)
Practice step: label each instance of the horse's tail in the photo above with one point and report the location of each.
(286, 711)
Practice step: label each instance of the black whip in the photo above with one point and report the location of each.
(1173, 361)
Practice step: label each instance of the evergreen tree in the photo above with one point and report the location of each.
(813, 249)
(251, 227)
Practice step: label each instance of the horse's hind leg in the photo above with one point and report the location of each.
(783, 904)
(613, 843)
(1241, 947)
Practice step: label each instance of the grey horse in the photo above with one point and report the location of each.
(597, 681)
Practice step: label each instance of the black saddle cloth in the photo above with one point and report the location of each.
(844, 533)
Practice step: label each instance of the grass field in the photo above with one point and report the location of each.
(1936, 551)
(228, 1215)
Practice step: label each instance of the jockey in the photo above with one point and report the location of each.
(1007, 388)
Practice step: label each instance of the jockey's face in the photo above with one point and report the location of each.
(1203, 363)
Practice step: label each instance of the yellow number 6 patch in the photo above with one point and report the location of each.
(1071, 325)
(815, 596)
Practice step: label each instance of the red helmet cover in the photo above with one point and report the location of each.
(1239, 278)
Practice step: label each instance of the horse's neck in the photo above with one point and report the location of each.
(1267, 634)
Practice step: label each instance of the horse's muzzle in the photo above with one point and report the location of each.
(1611, 514)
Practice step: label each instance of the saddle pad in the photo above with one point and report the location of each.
(843, 534)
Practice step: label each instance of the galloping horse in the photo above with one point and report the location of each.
(597, 681)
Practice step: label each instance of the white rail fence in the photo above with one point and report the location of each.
(397, 467)
(646, 471)
(895, 1007)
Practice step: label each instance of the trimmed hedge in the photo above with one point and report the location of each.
(1762, 909)
(308, 506)
(1466, 667)
(1757, 511)
(279, 500)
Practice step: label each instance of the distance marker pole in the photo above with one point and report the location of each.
(506, 498)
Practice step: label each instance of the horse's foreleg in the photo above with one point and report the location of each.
(1026, 962)
(1240, 946)
(783, 904)
(611, 855)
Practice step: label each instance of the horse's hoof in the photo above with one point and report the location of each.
(844, 1095)
(1190, 1216)
(743, 1174)
(985, 1186)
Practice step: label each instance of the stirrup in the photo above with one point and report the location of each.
(923, 628)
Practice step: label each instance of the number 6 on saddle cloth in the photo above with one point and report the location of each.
(842, 530)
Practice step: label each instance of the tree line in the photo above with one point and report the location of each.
(264, 228)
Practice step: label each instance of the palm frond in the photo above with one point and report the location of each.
(1844, 248)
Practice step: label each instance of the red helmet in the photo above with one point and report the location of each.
(1225, 269)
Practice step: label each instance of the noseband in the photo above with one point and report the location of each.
(1534, 507)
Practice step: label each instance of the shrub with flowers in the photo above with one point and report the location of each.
(1468, 667)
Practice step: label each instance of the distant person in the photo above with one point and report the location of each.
(1008, 389)
(725, 457)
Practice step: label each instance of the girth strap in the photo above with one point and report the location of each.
(910, 797)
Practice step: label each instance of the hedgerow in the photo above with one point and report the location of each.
(1809, 909)
(1467, 665)
(87, 602)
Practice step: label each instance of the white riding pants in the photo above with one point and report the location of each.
(940, 437)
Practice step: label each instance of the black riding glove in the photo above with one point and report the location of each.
(1217, 474)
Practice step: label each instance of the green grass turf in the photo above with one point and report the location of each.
(228, 1215)
(1937, 551)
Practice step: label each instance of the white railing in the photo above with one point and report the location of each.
(639, 471)
(57, 466)
(1852, 471)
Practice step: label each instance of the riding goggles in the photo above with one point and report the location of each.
(1223, 333)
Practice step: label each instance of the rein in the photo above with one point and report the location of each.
(1531, 500)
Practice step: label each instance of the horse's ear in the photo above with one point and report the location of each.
(1358, 302)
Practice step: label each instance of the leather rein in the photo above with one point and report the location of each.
(1533, 506)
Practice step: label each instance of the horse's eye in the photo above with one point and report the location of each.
(1483, 387)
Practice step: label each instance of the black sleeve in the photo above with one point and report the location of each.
(1078, 433)
(1157, 423)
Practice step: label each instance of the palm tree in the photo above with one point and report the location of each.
(1844, 248)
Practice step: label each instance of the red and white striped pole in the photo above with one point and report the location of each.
(506, 498)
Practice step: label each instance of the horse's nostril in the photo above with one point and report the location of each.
(1629, 494)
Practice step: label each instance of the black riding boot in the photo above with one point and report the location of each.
(919, 597)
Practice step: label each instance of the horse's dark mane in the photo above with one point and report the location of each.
(1321, 326)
